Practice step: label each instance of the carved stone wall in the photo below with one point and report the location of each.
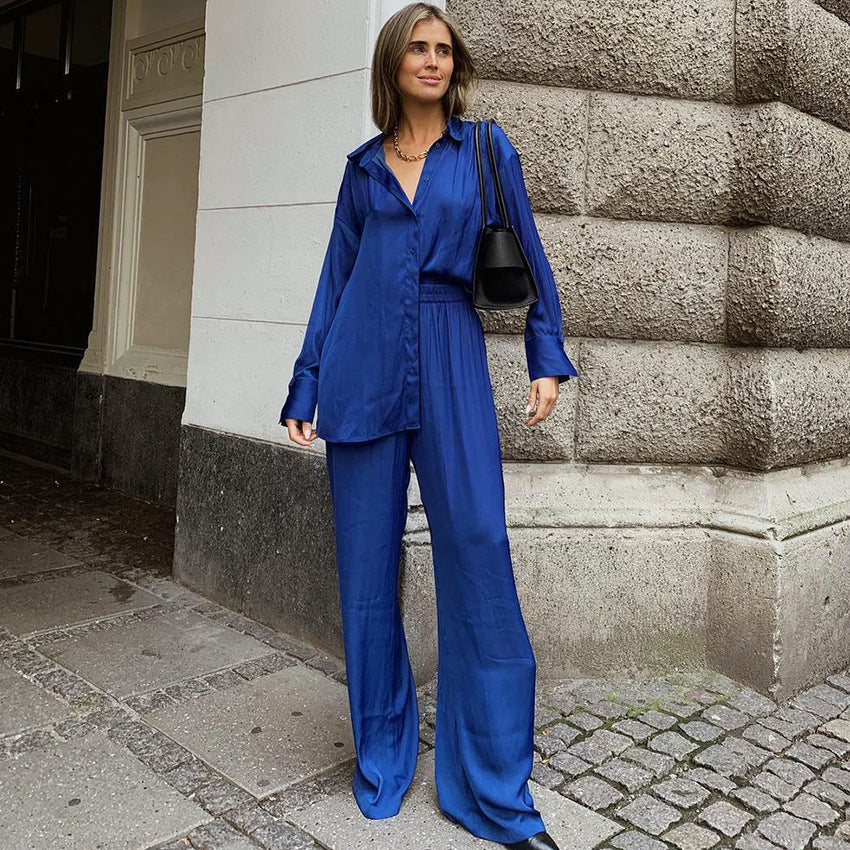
(689, 167)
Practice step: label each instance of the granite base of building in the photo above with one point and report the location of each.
(620, 569)
(126, 435)
(254, 532)
(116, 432)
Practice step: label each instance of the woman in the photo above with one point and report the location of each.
(394, 355)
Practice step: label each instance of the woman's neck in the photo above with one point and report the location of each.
(418, 126)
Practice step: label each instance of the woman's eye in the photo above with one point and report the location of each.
(444, 50)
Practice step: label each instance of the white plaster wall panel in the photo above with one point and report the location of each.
(166, 242)
(269, 43)
(238, 373)
(261, 263)
(281, 146)
(154, 15)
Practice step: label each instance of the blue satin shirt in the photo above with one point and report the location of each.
(359, 360)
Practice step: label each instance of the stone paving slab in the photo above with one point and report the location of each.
(89, 793)
(338, 824)
(61, 601)
(19, 556)
(24, 705)
(216, 837)
(269, 733)
(141, 655)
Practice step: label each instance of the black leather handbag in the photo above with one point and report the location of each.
(502, 279)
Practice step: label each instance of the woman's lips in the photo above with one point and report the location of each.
(431, 81)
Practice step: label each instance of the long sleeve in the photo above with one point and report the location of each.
(544, 339)
(339, 260)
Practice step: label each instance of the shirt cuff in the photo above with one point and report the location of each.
(546, 357)
(301, 401)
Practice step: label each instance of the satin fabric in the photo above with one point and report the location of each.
(487, 669)
(359, 360)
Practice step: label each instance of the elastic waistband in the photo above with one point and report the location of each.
(435, 291)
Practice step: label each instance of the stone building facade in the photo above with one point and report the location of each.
(689, 167)
(688, 503)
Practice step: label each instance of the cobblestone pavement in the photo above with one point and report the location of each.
(689, 760)
(697, 761)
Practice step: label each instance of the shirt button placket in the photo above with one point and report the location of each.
(413, 366)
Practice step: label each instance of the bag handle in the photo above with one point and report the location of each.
(500, 198)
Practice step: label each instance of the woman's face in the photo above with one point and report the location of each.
(426, 68)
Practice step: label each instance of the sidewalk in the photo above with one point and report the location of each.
(136, 714)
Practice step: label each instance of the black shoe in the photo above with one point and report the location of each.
(538, 841)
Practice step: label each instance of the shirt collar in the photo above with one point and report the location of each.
(365, 152)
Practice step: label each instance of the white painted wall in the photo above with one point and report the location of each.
(286, 97)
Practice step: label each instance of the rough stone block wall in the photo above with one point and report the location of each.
(839, 8)
(689, 168)
(797, 52)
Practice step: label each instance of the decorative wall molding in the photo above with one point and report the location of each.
(158, 89)
(125, 357)
(166, 65)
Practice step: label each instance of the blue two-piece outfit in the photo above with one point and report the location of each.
(394, 355)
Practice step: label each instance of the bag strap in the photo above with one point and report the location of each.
(503, 210)
(480, 177)
(500, 198)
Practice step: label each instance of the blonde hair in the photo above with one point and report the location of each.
(390, 48)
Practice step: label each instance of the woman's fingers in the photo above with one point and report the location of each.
(532, 400)
(300, 432)
(544, 408)
(545, 391)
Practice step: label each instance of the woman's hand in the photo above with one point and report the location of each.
(543, 393)
(300, 432)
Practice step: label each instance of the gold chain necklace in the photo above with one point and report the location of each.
(419, 155)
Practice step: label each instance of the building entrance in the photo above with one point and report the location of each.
(53, 75)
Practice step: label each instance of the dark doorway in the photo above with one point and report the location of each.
(54, 58)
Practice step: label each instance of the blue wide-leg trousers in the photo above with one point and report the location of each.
(486, 673)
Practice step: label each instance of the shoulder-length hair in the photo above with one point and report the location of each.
(390, 48)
